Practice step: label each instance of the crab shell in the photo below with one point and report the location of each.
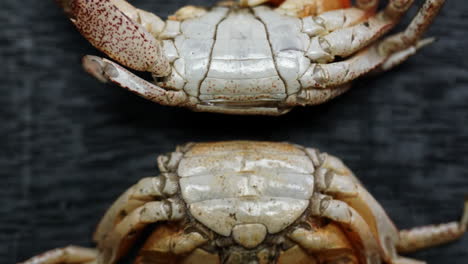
(246, 58)
(254, 202)
(251, 202)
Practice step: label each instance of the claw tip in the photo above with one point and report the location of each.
(95, 66)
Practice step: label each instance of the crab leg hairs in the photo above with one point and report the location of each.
(115, 33)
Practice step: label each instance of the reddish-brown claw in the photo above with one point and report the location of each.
(116, 34)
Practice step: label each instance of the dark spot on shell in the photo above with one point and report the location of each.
(233, 216)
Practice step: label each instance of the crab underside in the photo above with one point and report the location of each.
(252, 202)
(252, 57)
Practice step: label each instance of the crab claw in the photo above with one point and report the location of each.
(106, 70)
(113, 32)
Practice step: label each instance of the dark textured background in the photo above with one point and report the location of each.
(70, 145)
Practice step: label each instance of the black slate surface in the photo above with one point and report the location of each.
(70, 145)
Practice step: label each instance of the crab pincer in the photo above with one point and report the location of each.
(108, 28)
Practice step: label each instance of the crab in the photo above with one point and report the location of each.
(260, 57)
(252, 202)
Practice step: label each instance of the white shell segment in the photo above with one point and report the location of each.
(242, 62)
(242, 162)
(195, 54)
(194, 46)
(170, 50)
(284, 32)
(171, 30)
(233, 184)
(288, 44)
(236, 183)
(173, 81)
(222, 215)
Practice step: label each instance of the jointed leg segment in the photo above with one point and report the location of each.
(350, 198)
(415, 30)
(67, 255)
(342, 213)
(400, 56)
(369, 5)
(353, 37)
(433, 235)
(338, 73)
(147, 189)
(396, 8)
(105, 70)
(327, 243)
(116, 243)
(353, 207)
(144, 203)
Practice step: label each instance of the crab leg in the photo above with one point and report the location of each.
(67, 255)
(341, 212)
(334, 184)
(415, 30)
(252, 2)
(334, 74)
(400, 56)
(396, 8)
(169, 241)
(117, 243)
(318, 96)
(111, 26)
(335, 179)
(303, 8)
(105, 70)
(369, 5)
(144, 191)
(332, 21)
(434, 235)
(326, 241)
(338, 73)
(346, 41)
(402, 260)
